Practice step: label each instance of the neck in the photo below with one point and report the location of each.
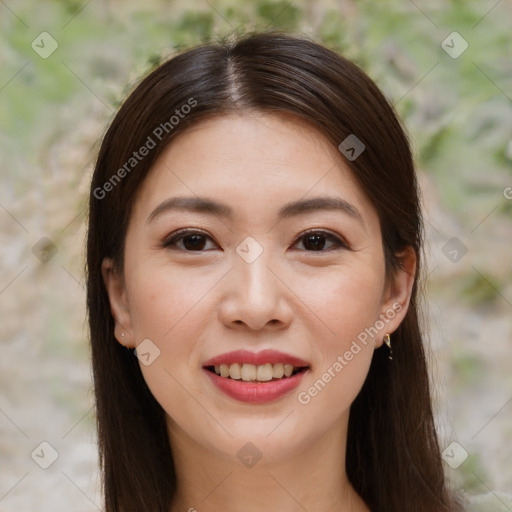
(312, 478)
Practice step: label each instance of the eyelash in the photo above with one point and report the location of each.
(170, 241)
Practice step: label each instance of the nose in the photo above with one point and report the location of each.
(256, 296)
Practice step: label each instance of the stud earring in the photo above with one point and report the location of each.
(122, 334)
(387, 341)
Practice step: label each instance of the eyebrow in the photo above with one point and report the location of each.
(295, 208)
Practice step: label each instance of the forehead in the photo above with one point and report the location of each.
(252, 161)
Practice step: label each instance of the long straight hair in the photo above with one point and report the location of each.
(393, 456)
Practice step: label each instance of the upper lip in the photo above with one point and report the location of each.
(258, 358)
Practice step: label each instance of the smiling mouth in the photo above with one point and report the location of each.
(256, 373)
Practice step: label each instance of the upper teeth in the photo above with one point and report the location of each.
(247, 372)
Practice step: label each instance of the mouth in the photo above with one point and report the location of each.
(256, 378)
(256, 373)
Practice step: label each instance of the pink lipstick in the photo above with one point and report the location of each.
(258, 377)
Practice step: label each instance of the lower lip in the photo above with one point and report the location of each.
(256, 392)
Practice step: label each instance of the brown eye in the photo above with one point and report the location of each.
(191, 241)
(315, 241)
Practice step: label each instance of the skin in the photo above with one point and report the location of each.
(311, 303)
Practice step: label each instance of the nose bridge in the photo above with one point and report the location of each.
(256, 291)
(252, 267)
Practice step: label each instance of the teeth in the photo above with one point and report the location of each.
(288, 370)
(264, 373)
(278, 370)
(250, 372)
(235, 371)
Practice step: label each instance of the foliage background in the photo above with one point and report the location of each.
(52, 112)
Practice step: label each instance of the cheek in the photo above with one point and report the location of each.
(168, 307)
(164, 304)
(348, 305)
(347, 301)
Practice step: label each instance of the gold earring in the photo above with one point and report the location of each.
(387, 341)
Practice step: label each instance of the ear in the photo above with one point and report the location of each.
(114, 283)
(397, 294)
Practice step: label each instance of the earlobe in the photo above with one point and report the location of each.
(114, 283)
(397, 294)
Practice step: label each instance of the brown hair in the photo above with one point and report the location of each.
(393, 457)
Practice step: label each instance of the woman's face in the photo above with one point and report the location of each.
(253, 280)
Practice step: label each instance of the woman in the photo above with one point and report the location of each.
(253, 266)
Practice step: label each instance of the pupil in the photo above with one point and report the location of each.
(197, 243)
(316, 244)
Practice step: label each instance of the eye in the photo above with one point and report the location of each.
(192, 240)
(314, 240)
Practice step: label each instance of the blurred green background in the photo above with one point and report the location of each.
(455, 102)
